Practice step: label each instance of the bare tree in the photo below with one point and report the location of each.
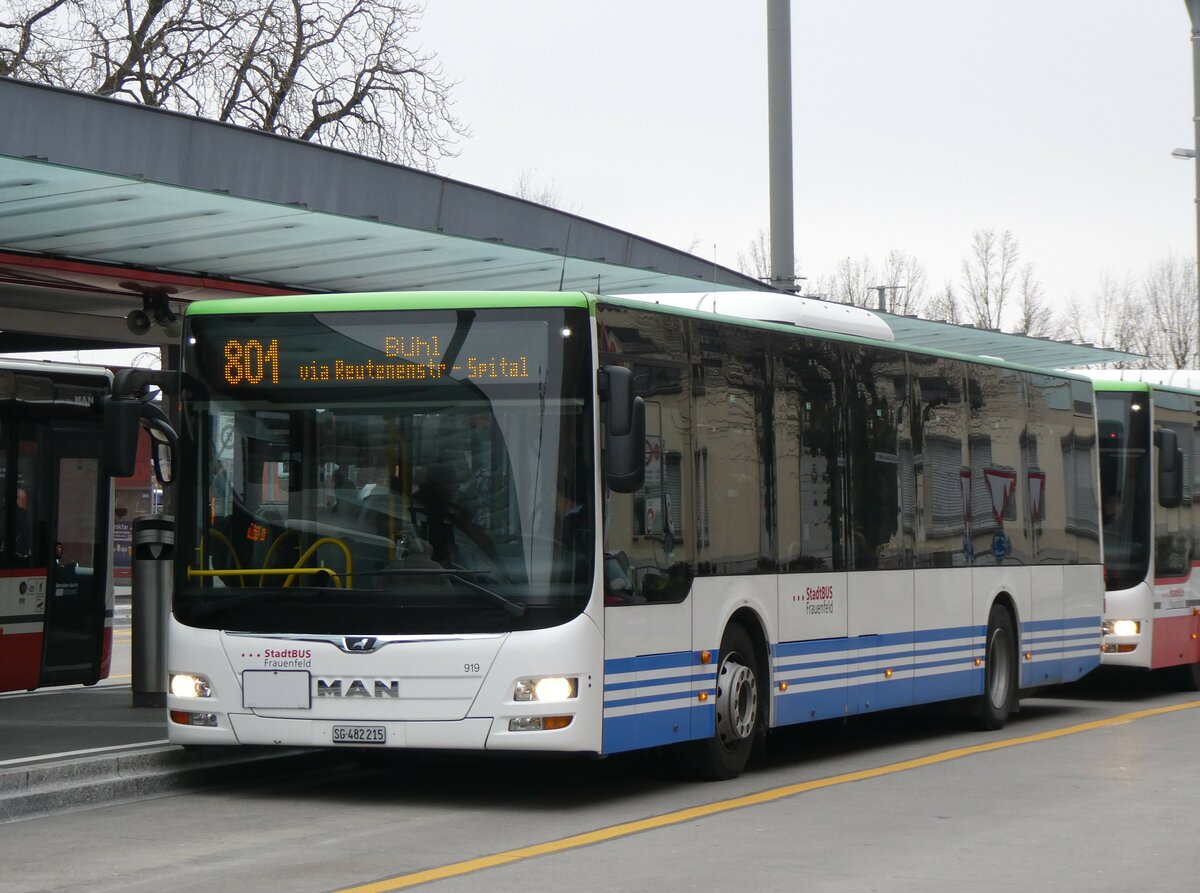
(1034, 317)
(544, 193)
(1113, 318)
(851, 282)
(988, 275)
(756, 260)
(904, 278)
(344, 73)
(1169, 292)
(945, 306)
(30, 33)
(857, 282)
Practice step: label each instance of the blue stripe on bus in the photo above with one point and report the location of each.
(661, 680)
(638, 730)
(1061, 624)
(855, 681)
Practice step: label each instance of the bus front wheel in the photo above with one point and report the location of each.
(999, 671)
(1189, 677)
(738, 715)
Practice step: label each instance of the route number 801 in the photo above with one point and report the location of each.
(250, 362)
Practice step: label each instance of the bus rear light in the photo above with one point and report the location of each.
(184, 718)
(538, 723)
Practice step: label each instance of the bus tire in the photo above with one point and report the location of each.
(738, 714)
(1189, 677)
(999, 672)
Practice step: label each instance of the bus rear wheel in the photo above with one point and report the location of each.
(738, 716)
(999, 672)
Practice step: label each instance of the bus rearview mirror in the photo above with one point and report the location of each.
(122, 423)
(1170, 468)
(624, 417)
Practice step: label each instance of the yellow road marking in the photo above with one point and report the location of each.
(625, 829)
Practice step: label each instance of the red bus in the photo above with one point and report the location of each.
(56, 592)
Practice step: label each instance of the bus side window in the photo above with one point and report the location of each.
(650, 535)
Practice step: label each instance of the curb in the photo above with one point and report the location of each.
(47, 788)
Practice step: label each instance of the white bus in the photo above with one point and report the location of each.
(561, 522)
(1149, 447)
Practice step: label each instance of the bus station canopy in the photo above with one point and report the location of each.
(104, 202)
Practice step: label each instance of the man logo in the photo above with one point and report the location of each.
(358, 688)
(360, 643)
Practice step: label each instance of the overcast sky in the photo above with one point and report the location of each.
(916, 123)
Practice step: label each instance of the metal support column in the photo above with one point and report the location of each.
(779, 112)
(153, 558)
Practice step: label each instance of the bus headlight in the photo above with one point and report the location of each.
(546, 689)
(190, 685)
(1122, 627)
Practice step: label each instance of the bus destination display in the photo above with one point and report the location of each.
(399, 358)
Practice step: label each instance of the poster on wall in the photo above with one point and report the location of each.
(122, 559)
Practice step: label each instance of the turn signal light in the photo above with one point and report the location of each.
(184, 718)
(538, 723)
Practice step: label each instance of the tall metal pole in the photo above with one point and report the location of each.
(1193, 7)
(779, 111)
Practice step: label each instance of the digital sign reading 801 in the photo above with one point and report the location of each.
(405, 358)
(248, 361)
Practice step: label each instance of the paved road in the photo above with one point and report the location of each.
(1090, 790)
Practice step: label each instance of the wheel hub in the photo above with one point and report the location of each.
(737, 702)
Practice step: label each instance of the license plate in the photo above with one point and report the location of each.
(359, 734)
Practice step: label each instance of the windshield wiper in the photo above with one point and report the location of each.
(210, 604)
(516, 609)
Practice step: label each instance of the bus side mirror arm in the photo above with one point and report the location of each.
(624, 418)
(1170, 468)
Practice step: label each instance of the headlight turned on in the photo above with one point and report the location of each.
(547, 689)
(190, 685)
(1122, 627)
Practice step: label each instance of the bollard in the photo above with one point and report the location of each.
(153, 561)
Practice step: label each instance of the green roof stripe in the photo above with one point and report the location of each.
(1138, 387)
(421, 300)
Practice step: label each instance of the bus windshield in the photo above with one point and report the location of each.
(401, 472)
(1124, 423)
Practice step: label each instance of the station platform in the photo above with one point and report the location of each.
(76, 746)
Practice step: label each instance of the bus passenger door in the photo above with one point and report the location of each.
(77, 600)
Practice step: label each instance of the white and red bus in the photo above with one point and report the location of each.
(56, 594)
(1149, 425)
(562, 522)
